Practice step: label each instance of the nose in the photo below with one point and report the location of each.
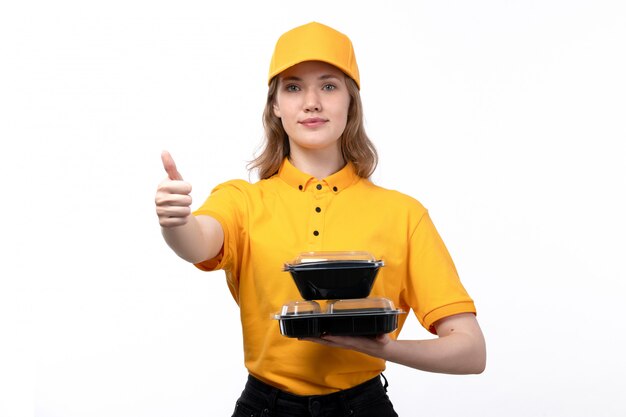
(312, 101)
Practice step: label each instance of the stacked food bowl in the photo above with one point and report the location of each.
(335, 287)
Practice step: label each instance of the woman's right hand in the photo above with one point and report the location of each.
(173, 202)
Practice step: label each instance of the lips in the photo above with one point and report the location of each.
(313, 122)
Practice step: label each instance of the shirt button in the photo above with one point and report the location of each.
(316, 233)
(317, 209)
(319, 186)
(335, 189)
(300, 187)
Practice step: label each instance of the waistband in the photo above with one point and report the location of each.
(350, 394)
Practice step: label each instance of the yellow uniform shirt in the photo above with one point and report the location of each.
(270, 222)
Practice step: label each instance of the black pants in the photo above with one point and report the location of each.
(369, 399)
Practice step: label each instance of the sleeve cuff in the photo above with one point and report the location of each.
(448, 310)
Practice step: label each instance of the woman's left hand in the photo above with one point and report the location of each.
(372, 346)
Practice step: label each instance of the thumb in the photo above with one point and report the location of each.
(170, 166)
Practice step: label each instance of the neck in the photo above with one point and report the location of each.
(318, 163)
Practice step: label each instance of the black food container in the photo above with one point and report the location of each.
(353, 317)
(334, 275)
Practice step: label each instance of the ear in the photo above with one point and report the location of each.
(276, 110)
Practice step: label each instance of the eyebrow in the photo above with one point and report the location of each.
(321, 77)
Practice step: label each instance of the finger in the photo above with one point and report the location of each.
(173, 212)
(173, 221)
(170, 166)
(350, 342)
(169, 186)
(166, 198)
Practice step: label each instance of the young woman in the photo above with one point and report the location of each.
(314, 195)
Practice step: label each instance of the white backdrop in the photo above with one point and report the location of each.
(506, 119)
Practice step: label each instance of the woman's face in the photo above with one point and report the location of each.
(312, 102)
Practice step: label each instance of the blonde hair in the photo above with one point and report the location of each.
(356, 147)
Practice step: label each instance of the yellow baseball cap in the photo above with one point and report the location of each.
(314, 42)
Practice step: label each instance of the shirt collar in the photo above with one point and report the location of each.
(336, 182)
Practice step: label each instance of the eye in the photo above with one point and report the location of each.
(292, 88)
(329, 87)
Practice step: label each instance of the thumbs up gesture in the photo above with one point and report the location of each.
(173, 202)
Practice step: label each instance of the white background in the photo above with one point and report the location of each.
(506, 119)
